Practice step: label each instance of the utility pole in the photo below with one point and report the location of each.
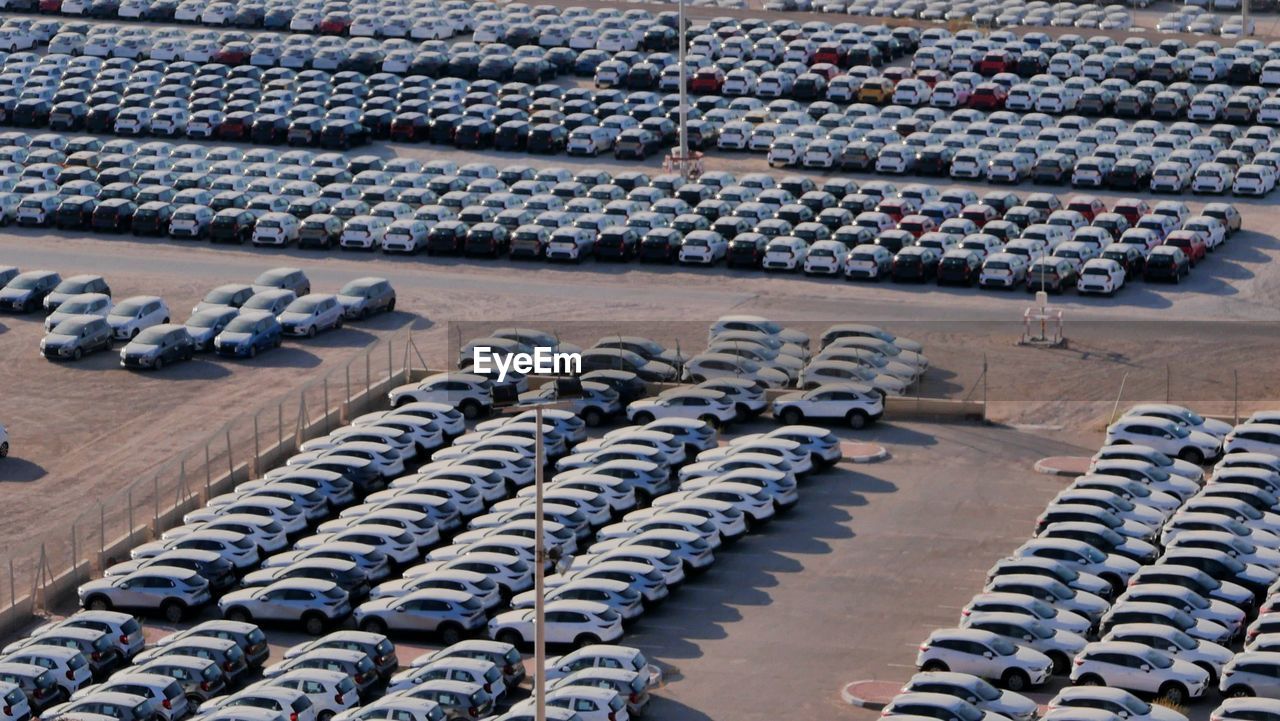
(539, 558)
(683, 147)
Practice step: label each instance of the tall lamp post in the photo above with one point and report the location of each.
(566, 390)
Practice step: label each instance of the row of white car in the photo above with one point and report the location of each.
(1163, 619)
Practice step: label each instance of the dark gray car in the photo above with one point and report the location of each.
(363, 297)
(76, 337)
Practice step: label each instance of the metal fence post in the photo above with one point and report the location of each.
(155, 517)
(75, 553)
(368, 371)
(129, 502)
(280, 424)
(13, 589)
(327, 409)
(390, 367)
(102, 520)
(208, 474)
(347, 403)
(257, 449)
(231, 464)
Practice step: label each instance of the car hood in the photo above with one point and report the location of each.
(141, 349)
(234, 338)
(239, 596)
(14, 293)
(1012, 705)
(350, 300)
(1216, 427)
(294, 317)
(57, 339)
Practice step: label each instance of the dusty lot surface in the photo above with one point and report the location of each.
(840, 588)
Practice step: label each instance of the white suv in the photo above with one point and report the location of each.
(984, 654)
(857, 404)
(471, 394)
(1139, 668)
(169, 590)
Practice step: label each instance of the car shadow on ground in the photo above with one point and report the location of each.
(747, 569)
(19, 470)
(889, 433)
(285, 357)
(344, 337)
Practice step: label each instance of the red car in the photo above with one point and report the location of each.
(233, 54)
(980, 214)
(1132, 209)
(897, 208)
(996, 62)
(50, 6)
(707, 80)
(335, 24)
(988, 96)
(1190, 242)
(1087, 205)
(830, 53)
(931, 77)
(235, 126)
(918, 225)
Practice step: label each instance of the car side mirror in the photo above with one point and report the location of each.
(1146, 668)
(1027, 638)
(988, 654)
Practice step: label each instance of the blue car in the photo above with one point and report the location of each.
(247, 334)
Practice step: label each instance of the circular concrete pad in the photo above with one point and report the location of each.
(856, 452)
(870, 694)
(1063, 465)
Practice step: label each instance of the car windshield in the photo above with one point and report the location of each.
(151, 336)
(74, 326)
(1180, 432)
(77, 306)
(24, 282)
(355, 287)
(303, 305)
(241, 325)
(202, 320)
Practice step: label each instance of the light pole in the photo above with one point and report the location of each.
(566, 389)
(683, 147)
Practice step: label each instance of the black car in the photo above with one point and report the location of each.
(660, 245)
(914, 264)
(75, 212)
(659, 38)
(32, 113)
(152, 218)
(488, 239)
(628, 385)
(533, 70)
(68, 115)
(643, 76)
(113, 215)
(447, 237)
(617, 242)
(935, 160)
(473, 133)
(495, 68)
(341, 134)
(746, 250)
(269, 130)
(959, 268)
(547, 139)
(231, 225)
(377, 123)
(511, 135)
(1167, 263)
(638, 143)
(157, 346)
(442, 127)
(1131, 173)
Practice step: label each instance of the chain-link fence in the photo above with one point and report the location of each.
(40, 572)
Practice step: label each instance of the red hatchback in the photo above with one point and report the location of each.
(335, 24)
(988, 96)
(707, 80)
(996, 62)
(1190, 242)
(1132, 209)
(1087, 205)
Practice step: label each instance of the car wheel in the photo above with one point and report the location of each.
(934, 665)
(314, 624)
(159, 364)
(1015, 680)
(1192, 455)
(1061, 664)
(710, 420)
(586, 639)
(253, 351)
(1174, 693)
(77, 354)
(792, 416)
(1090, 679)
(324, 716)
(450, 634)
(1239, 692)
(374, 625)
(173, 611)
(643, 418)
(470, 409)
(96, 603)
(858, 420)
(510, 636)
(592, 417)
(311, 331)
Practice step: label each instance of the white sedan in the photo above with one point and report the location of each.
(857, 404)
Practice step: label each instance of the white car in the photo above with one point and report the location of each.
(700, 404)
(132, 315)
(331, 692)
(311, 314)
(703, 247)
(1209, 656)
(1100, 275)
(4, 442)
(1181, 415)
(1253, 438)
(786, 253)
(590, 703)
(986, 655)
(857, 404)
(580, 623)
(468, 393)
(315, 604)
(825, 257)
(1251, 673)
(1166, 437)
(1139, 668)
(171, 591)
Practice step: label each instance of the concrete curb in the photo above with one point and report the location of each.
(851, 697)
(1063, 465)
(864, 453)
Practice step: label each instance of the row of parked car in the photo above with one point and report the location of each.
(235, 320)
(219, 670)
(1141, 578)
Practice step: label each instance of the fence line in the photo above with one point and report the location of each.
(44, 570)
